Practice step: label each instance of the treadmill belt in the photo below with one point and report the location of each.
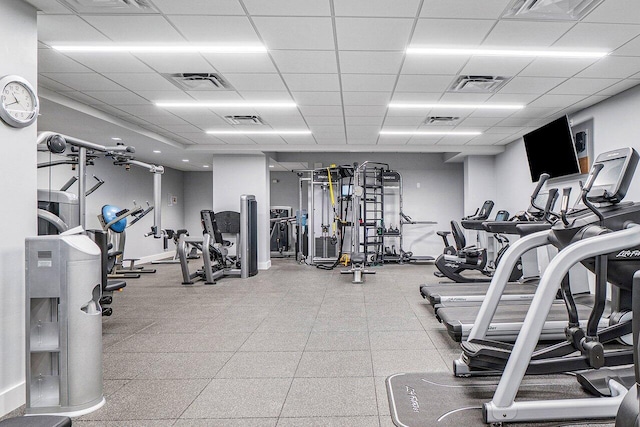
(435, 292)
(440, 399)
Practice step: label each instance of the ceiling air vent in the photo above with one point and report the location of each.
(110, 6)
(441, 120)
(198, 81)
(244, 120)
(478, 84)
(556, 10)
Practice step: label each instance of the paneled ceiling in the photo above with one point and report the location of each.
(341, 62)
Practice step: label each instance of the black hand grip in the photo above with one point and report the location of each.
(595, 170)
(543, 178)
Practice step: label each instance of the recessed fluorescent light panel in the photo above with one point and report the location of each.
(505, 52)
(458, 106)
(185, 160)
(120, 48)
(157, 151)
(259, 132)
(207, 104)
(430, 133)
(115, 138)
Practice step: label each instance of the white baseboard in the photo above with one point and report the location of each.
(264, 265)
(12, 398)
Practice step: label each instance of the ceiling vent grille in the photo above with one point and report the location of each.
(441, 120)
(199, 81)
(245, 120)
(555, 10)
(478, 84)
(110, 6)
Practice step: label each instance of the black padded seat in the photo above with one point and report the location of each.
(358, 258)
(37, 421)
(114, 285)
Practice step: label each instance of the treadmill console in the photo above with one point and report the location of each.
(613, 180)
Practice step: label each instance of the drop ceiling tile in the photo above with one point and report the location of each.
(299, 139)
(516, 122)
(365, 141)
(412, 97)
(587, 102)
(455, 140)
(452, 97)
(385, 8)
(503, 130)
(617, 12)
(324, 120)
(48, 6)
(144, 110)
(598, 36)
(613, 67)
(142, 81)
(293, 33)
(50, 61)
(202, 121)
(515, 98)
(288, 7)
(362, 110)
(368, 82)
(321, 110)
(216, 29)
(487, 113)
(364, 62)
(485, 9)
(267, 139)
(336, 140)
(160, 95)
(534, 85)
(373, 33)
(413, 121)
(450, 32)
(519, 33)
(189, 63)
(266, 96)
(424, 140)
(412, 112)
(557, 101)
(296, 122)
(485, 139)
(300, 61)
(236, 140)
(67, 29)
(393, 139)
(180, 129)
(116, 112)
(480, 121)
(118, 97)
(535, 112)
(424, 64)
(364, 120)
(427, 83)
(134, 29)
(495, 66)
(620, 87)
(556, 67)
(110, 62)
(84, 81)
(52, 84)
(312, 82)
(256, 82)
(579, 86)
(366, 98)
(359, 132)
(317, 98)
(81, 97)
(237, 63)
(213, 95)
(322, 130)
(328, 135)
(632, 48)
(199, 7)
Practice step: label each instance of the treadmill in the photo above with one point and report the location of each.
(451, 294)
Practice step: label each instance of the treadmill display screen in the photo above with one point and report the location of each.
(610, 173)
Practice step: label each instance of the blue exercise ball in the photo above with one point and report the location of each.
(109, 213)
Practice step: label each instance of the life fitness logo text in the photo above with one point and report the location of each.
(413, 399)
(628, 254)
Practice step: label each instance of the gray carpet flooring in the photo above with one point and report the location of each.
(292, 346)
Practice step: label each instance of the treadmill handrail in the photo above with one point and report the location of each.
(543, 299)
(500, 279)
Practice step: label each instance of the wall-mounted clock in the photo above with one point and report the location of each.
(18, 102)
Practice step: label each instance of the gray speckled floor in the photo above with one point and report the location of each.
(292, 346)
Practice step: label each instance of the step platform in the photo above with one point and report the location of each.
(440, 399)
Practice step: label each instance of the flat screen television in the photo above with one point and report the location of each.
(550, 149)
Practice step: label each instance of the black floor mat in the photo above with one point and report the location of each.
(442, 400)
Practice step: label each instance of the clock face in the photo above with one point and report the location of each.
(18, 102)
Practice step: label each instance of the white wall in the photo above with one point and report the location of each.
(479, 183)
(615, 125)
(439, 196)
(18, 56)
(234, 175)
(121, 188)
(198, 195)
(284, 192)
